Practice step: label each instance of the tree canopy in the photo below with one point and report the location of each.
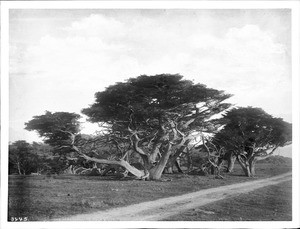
(252, 134)
(22, 160)
(55, 127)
(145, 100)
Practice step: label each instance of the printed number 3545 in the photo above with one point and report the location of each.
(18, 219)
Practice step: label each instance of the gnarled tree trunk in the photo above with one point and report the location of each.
(19, 168)
(155, 161)
(248, 162)
(245, 164)
(252, 163)
(136, 172)
(231, 158)
(174, 161)
(156, 172)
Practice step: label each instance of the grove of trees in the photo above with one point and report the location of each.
(149, 124)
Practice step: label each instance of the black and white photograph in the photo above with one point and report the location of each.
(149, 114)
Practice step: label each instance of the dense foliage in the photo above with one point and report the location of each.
(146, 99)
(55, 127)
(26, 158)
(252, 134)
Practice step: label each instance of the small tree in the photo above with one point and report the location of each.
(22, 160)
(56, 129)
(252, 135)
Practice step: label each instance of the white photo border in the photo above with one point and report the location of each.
(6, 6)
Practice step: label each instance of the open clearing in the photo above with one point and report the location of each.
(44, 198)
(164, 208)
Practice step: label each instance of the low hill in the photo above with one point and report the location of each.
(277, 159)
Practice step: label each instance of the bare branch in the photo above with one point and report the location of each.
(266, 154)
(186, 125)
(123, 158)
(61, 147)
(154, 136)
(72, 158)
(209, 154)
(72, 136)
(138, 173)
(135, 143)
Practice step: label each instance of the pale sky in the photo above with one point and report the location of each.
(60, 58)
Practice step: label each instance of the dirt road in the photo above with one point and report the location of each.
(166, 207)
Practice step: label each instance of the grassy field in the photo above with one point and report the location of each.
(40, 198)
(272, 203)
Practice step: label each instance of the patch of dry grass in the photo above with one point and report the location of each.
(47, 197)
